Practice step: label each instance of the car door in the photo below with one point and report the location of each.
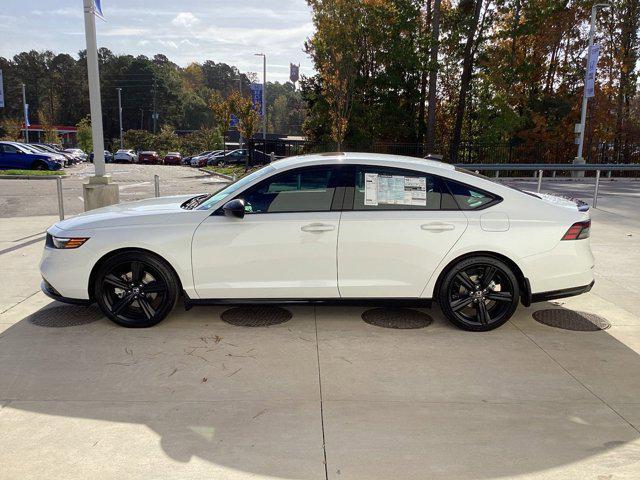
(12, 157)
(284, 247)
(396, 227)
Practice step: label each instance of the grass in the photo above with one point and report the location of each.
(32, 173)
(237, 170)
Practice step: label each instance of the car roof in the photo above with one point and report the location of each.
(397, 161)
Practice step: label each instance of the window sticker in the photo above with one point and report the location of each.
(394, 190)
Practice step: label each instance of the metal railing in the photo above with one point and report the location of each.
(539, 170)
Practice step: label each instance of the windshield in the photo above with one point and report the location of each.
(229, 189)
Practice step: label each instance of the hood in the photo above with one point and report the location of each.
(151, 211)
(562, 201)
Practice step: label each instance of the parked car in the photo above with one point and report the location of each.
(125, 155)
(149, 157)
(341, 227)
(108, 157)
(186, 160)
(54, 155)
(69, 159)
(77, 152)
(229, 158)
(14, 155)
(173, 158)
(200, 160)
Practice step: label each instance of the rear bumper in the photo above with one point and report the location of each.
(564, 293)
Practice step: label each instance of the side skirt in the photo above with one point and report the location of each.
(373, 302)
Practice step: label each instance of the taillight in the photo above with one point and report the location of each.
(578, 231)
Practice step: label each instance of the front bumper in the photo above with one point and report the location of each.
(52, 293)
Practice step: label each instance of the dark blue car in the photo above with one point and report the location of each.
(15, 156)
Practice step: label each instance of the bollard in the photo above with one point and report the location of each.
(156, 182)
(553, 174)
(234, 177)
(609, 174)
(595, 192)
(540, 179)
(272, 157)
(497, 173)
(60, 198)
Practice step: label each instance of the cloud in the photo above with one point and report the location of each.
(185, 19)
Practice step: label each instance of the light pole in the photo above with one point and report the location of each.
(120, 115)
(264, 94)
(583, 113)
(99, 192)
(26, 115)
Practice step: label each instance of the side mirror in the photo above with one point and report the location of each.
(234, 208)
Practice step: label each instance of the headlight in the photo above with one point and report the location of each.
(65, 242)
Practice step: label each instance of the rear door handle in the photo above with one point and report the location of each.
(318, 227)
(437, 227)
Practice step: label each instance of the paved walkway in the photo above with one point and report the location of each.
(324, 395)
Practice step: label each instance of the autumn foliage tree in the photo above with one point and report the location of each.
(248, 119)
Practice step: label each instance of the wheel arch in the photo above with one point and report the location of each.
(106, 256)
(523, 281)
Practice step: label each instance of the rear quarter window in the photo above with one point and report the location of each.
(467, 197)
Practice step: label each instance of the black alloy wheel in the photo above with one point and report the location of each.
(39, 165)
(135, 289)
(479, 294)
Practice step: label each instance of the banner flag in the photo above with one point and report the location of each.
(592, 63)
(26, 115)
(97, 9)
(257, 97)
(1, 91)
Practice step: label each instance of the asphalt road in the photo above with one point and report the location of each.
(39, 197)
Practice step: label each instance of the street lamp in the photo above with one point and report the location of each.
(120, 115)
(264, 94)
(583, 114)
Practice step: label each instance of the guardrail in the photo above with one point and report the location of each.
(540, 168)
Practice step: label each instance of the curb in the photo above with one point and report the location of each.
(31, 177)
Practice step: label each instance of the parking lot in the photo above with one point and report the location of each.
(39, 197)
(324, 394)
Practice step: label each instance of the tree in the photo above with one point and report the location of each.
(83, 135)
(222, 110)
(433, 76)
(248, 119)
(12, 129)
(50, 133)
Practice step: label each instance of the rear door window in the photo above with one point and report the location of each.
(470, 198)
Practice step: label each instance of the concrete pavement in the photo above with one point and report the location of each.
(197, 398)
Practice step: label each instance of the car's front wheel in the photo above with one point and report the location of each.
(135, 289)
(479, 294)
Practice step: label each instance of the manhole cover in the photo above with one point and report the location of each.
(65, 316)
(256, 316)
(571, 320)
(396, 318)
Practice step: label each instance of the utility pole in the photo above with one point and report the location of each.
(99, 192)
(155, 114)
(120, 115)
(264, 94)
(583, 113)
(26, 114)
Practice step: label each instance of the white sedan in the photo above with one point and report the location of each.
(343, 227)
(125, 155)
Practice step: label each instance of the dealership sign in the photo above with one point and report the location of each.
(257, 98)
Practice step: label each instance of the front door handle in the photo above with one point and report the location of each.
(437, 227)
(318, 227)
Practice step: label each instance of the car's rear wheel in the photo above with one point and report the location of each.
(221, 163)
(135, 289)
(479, 294)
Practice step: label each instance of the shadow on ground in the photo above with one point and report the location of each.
(433, 403)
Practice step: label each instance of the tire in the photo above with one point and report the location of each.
(479, 294)
(222, 163)
(140, 303)
(39, 165)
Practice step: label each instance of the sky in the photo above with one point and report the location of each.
(184, 30)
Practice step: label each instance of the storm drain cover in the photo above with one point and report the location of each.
(65, 316)
(396, 318)
(571, 320)
(256, 316)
